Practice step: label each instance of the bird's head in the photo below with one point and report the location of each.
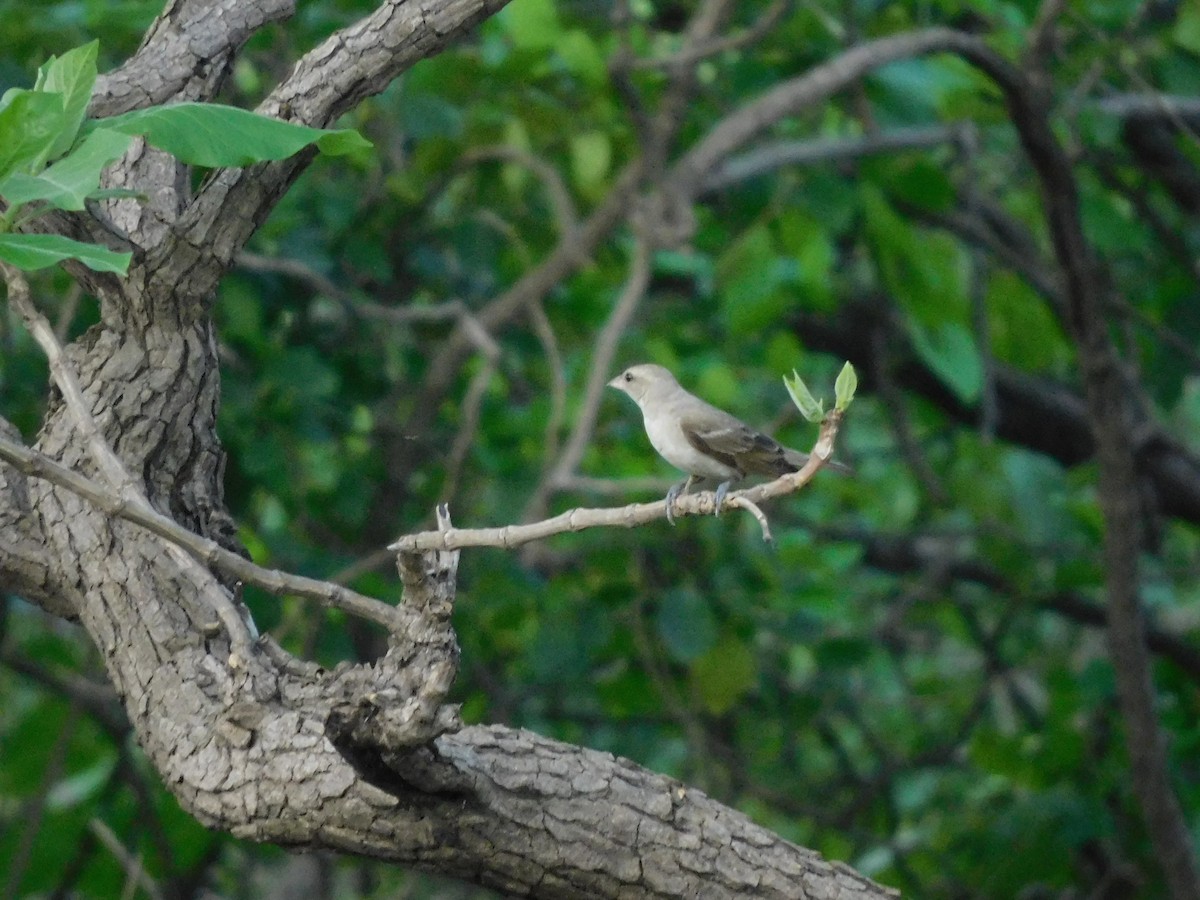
(644, 381)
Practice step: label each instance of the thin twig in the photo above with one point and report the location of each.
(544, 330)
(135, 872)
(702, 50)
(743, 502)
(202, 549)
(770, 156)
(106, 459)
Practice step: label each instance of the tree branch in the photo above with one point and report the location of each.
(185, 55)
(700, 504)
(204, 550)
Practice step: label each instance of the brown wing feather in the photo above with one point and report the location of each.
(734, 443)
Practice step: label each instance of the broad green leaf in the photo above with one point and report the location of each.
(1022, 328)
(1187, 27)
(919, 181)
(207, 134)
(807, 242)
(924, 270)
(719, 383)
(29, 125)
(37, 251)
(951, 352)
(68, 182)
(72, 75)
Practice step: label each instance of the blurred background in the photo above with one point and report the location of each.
(915, 678)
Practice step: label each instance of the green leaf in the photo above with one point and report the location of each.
(532, 24)
(73, 75)
(812, 409)
(591, 156)
(1022, 328)
(30, 123)
(747, 279)
(951, 352)
(807, 242)
(37, 251)
(582, 57)
(1187, 28)
(845, 386)
(925, 271)
(207, 134)
(68, 182)
(724, 674)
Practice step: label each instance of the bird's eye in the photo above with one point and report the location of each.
(629, 376)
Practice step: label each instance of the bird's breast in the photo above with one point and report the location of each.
(668, 439)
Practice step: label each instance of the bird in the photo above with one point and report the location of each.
(700, 439)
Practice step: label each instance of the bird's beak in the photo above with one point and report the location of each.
(616, 383)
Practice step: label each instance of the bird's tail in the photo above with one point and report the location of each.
(795, 460)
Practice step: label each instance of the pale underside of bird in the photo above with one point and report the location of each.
(699, 439)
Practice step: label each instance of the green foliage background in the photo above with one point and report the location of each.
(936, 718)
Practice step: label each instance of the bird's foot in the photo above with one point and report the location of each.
(672, 495)
(722, 490)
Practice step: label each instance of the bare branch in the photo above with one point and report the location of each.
(794, 95)
(774, 155)
(1176, 108)
(135, 872)
(702, 50)
(573, 520)
(202, 549)
(741, 501)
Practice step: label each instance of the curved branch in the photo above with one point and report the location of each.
(774, 155)
(794, 95)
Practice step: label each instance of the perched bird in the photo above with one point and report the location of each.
(698, 438)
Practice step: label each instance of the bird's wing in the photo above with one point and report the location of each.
(727, 439)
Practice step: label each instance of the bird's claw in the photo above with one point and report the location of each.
(722, 490)
(672, 495)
